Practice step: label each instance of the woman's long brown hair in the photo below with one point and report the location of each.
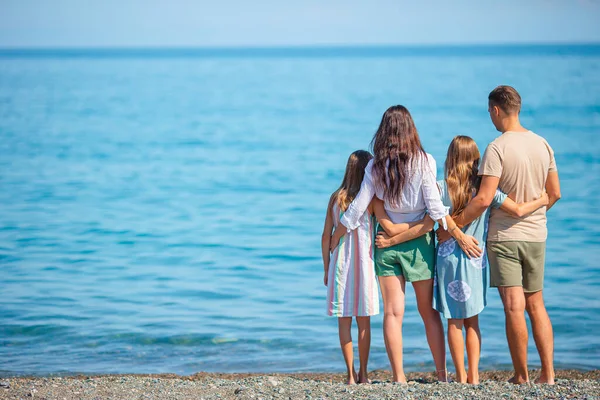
(462, 165)
(396, 148)
(353, 177)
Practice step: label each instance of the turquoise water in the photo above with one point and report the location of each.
(162, 212)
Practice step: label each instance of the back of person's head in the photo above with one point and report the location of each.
(396, 145)
(461, 171)
(353, 177)
(506, 98)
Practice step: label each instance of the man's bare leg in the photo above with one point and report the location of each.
(542, 334)
(513, 299)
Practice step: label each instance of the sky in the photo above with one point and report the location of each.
(266, 23)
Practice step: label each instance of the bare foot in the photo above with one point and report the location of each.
(352, 379)
(400, 380)
(518, 380)
(442, 375)
(363, 377)
(473, 378)
(544, 379)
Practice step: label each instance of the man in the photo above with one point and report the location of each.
(520, 163)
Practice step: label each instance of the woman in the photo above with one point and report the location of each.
(404, 177)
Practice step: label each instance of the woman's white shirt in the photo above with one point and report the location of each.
(420, 194)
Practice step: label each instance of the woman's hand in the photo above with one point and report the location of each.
(382, 240)
(469, 245)
(325, 277)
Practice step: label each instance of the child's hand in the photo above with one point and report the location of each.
(382, 240)
(336, 237)
(545, 199)
(442, 235)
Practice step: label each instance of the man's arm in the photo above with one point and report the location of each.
(476, 207)
(519, 210)
(552, 188)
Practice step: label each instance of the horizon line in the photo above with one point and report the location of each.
(308, 51)
(299, 46)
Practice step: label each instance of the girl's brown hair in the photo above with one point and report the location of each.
(462, 165)
(353, 177)
(397, 148)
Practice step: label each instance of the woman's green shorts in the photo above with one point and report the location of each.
(414, 259)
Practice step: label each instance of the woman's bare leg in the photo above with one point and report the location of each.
(456, 343)
(473, 348)
(345, 331)
(392, 291)
(364, 345)
(433, 326)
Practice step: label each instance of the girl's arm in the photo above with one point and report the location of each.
(350, 220)
(384, 220)
(326, 238)
(417, 229)
(520, 210)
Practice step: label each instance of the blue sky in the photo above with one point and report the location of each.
(122, 23)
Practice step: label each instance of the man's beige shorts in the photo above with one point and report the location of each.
(517, 264)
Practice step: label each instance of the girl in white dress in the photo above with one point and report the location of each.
(349, 271)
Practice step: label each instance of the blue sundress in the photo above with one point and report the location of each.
(460, 284)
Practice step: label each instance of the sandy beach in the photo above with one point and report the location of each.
(570, 385)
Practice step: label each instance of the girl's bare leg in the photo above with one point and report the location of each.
(457, 348)
(364, 345)
(345, 331)
(433, 326)
(392, 291)
(473, 348)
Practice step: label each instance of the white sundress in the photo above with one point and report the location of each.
(352, 289)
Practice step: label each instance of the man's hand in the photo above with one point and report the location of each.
(442, 235)
(382, 240)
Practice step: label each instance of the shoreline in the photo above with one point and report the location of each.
(378, 375)
(308, 386)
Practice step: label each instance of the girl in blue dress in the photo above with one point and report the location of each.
(460, 282)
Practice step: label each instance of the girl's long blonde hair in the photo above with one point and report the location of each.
(461, 169)
(353, 177)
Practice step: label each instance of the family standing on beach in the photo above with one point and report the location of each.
(380, 224)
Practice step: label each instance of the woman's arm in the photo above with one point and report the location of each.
(351, 218)
(360, 204)
(384, 220)
(438, 212)
(418, 229)
(520, 210)
(326, 238)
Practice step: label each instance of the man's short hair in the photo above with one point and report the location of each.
(507, 98)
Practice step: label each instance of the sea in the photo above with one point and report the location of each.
(161, 209)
